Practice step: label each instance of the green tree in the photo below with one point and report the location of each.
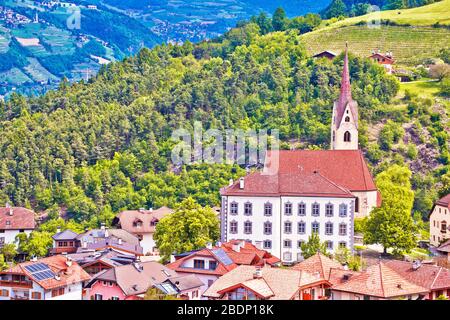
(337, 8)
(9, 251)
(313, 246)
(391, 225)
(3, 264)
(279, 20)
(190, 227)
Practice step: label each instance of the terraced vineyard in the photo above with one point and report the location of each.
(410, 45)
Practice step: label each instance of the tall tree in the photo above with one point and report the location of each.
(190, 227)
(313, 246)
(391, 225)
(279, 20)
(336, 8)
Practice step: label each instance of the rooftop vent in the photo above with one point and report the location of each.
(241, 183)
(258, 273)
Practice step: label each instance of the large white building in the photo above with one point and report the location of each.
(304, 191)
(15, 220)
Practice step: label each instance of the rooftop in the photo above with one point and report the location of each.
(16, 218)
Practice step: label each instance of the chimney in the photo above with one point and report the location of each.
(258, 273)
(150, 209)
(84, 244)
(138, 266)
(58, 229)
(102, 226)
(172, 258)
(142, 210)
(119, 241)
(106, 233)
(416, 264)
(209, 245)
(57, 277)
(69, 262)
(241, 183)
(218, 244)
(34, 259)
(230, 183)
(236, 247)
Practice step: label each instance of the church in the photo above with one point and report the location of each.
(300, 192)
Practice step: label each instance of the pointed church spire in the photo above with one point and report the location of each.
(346, 92)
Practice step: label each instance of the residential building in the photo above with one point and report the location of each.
(100, 239)
(15, 220)
(210, 263)
(444, 249)
(318, 264)
(440, 221)
(304, 191)
(131, 282)
(94, 262)
(142, 223)
(377, 282)
(64, 242)
(330, 55)
(52, 278)
(386, 60)
(267, 283)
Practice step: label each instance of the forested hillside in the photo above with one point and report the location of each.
(96, 148)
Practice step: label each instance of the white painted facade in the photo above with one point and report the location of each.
(9, 236)
(147, 243)
(439, 225)
(278, 218)
(207, 279)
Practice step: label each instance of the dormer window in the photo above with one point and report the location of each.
(137, 223)
(154, 222)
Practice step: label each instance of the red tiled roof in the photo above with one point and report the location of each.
(445, 247)
(319, 264)
(340, 275)
(21, 218)
(346, 168)
(389, 60)
(300, 184)
(380, 281)
(68, 274)
(145, 217)
(427, 276)
(444, 201)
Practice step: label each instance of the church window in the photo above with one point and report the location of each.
(347, 137)
(347, 119)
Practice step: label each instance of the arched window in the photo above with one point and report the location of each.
(347, 137)
(347, 119)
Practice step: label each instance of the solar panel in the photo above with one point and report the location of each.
(40, 271)
(222, 256)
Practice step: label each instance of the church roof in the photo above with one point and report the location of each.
(345, 96)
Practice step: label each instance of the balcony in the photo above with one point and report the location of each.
(16, 284)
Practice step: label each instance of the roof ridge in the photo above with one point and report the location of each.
(435, 278)
(381, 278)
(335, 184)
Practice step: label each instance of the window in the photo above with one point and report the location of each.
(287, 256)
(315, 227)
(287, 243)
(329, 210)
(233, 227)
(301, 227)
(212, 265)
(195, 294)
(115, 298)
(210, 282)
(268, 209)
(288, 208)
(347, 136)
(267, 227)
(199, 264)
(247, 227)
(342, 210)
(98, 296)
(347, 119)
(357, 204)
(248, 209)
(2, 240)
(36, 295)
(301, 209)
(4, 293)
(287, 227)
(329, 245)
(342, 244)
(342, 229)
(315, 209)
(267, 244)
(328, 228)
(234, 208)
(300, 243)
(58, 292)
(137, 223)
(444, 226)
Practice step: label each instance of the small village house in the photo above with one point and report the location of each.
(15, 220)
(386, 60)
(142, 224)
(52, 278)
(440, 221)
(330, 55)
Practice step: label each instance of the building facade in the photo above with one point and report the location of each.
(15, 220)
(440, 221)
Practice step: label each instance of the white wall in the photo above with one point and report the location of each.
(147, 242)
(278, 218)
(72, 292)
(10, 235)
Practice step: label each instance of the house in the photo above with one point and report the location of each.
(142, 223)
(266, 283)
(52, 278)
(440, 221)
(304, 191)
(210, 263)
(103, 238)
(330, 55)
(15, 220)
(318, 264)
(434, 278)
(132, 281)
(386, 60)
(378, 282)
(94, 262)
(64, 242)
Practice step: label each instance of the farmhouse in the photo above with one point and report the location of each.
(386, 60)
(15, 220)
